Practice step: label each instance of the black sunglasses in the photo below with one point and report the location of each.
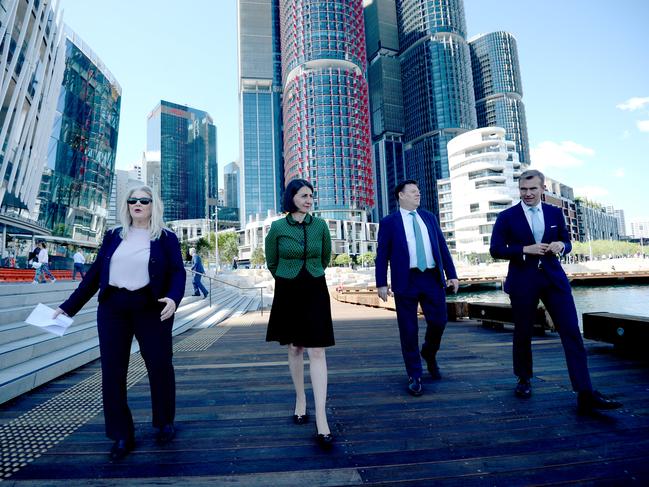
(144, 201)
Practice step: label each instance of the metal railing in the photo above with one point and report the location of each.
(261, 289)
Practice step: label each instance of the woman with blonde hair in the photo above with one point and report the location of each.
(140, 276)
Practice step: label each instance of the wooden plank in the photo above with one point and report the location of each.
(235, 402)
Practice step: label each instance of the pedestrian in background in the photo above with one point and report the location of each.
(43, 269)
(79, 263)
(198, 270)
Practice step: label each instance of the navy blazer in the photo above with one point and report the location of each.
(393, 248)
(512, 232)
(166, 271)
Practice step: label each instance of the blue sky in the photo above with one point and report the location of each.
(584, 68)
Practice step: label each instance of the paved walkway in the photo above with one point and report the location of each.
(235, 402)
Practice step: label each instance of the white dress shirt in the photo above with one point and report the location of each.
(410, 237)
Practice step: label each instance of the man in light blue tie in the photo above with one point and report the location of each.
(532, 235)
(411, 241)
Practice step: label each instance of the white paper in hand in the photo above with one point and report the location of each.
(42, 317)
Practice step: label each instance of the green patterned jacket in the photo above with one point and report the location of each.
(289, 244)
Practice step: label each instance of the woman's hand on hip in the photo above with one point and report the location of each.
(169, 309)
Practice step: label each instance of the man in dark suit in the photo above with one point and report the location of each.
(412, 242)
(532, 235)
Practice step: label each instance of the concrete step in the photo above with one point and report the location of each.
(20, 313)
(82, 347)
(15, 331)
(44, 343)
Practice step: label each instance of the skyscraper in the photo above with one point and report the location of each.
(438, 96)
(386, 101)
(32, 61)
(498, 88)
(325, 104)
(260, 91)
(186, 140)
(76, 184)
(231, 185)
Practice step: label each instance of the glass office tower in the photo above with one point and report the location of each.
(438, 96)
(185, 138)
(260, 92)
(386, 102)
(76, 184)
(498, 88)
(325, 104)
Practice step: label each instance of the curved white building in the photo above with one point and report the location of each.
(484, 171)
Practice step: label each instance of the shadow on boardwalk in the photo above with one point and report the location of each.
(235, 402)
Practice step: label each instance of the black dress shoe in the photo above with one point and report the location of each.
(433, 368)
(165, 434)
(414, 387)
(324, 441)
(301, 418)
(196, 294)
(589, 400)
(523, 388)
(121, 448)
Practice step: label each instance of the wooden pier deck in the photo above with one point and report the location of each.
(235, 403)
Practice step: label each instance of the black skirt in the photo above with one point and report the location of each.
(301, 312)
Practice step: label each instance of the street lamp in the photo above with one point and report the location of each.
(216, 236)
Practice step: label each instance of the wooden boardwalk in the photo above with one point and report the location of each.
(235, 402)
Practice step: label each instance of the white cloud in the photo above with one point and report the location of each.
(643, 125)
(619, 172)
(564, 154)
(633, 104)
(591, 192)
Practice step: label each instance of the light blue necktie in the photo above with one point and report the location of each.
(419, 243)
(537, 226)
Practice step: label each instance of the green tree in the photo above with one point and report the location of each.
(228, 246)
(202, 246)
(258, 257)
(367, 259)
(342, 260)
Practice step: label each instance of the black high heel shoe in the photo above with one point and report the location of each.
(324, 441)
(301, 418)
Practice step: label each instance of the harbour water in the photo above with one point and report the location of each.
(621, 298)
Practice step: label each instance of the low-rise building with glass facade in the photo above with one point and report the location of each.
(185, 138)
(498, 88)
(76, 184)
(594, 222)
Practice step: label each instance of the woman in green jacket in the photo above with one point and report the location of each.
(298, 249)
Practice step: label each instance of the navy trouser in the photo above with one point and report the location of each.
(425, 289)
(198, 285)
(78, 268)
(121, 315)
(561, 306)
